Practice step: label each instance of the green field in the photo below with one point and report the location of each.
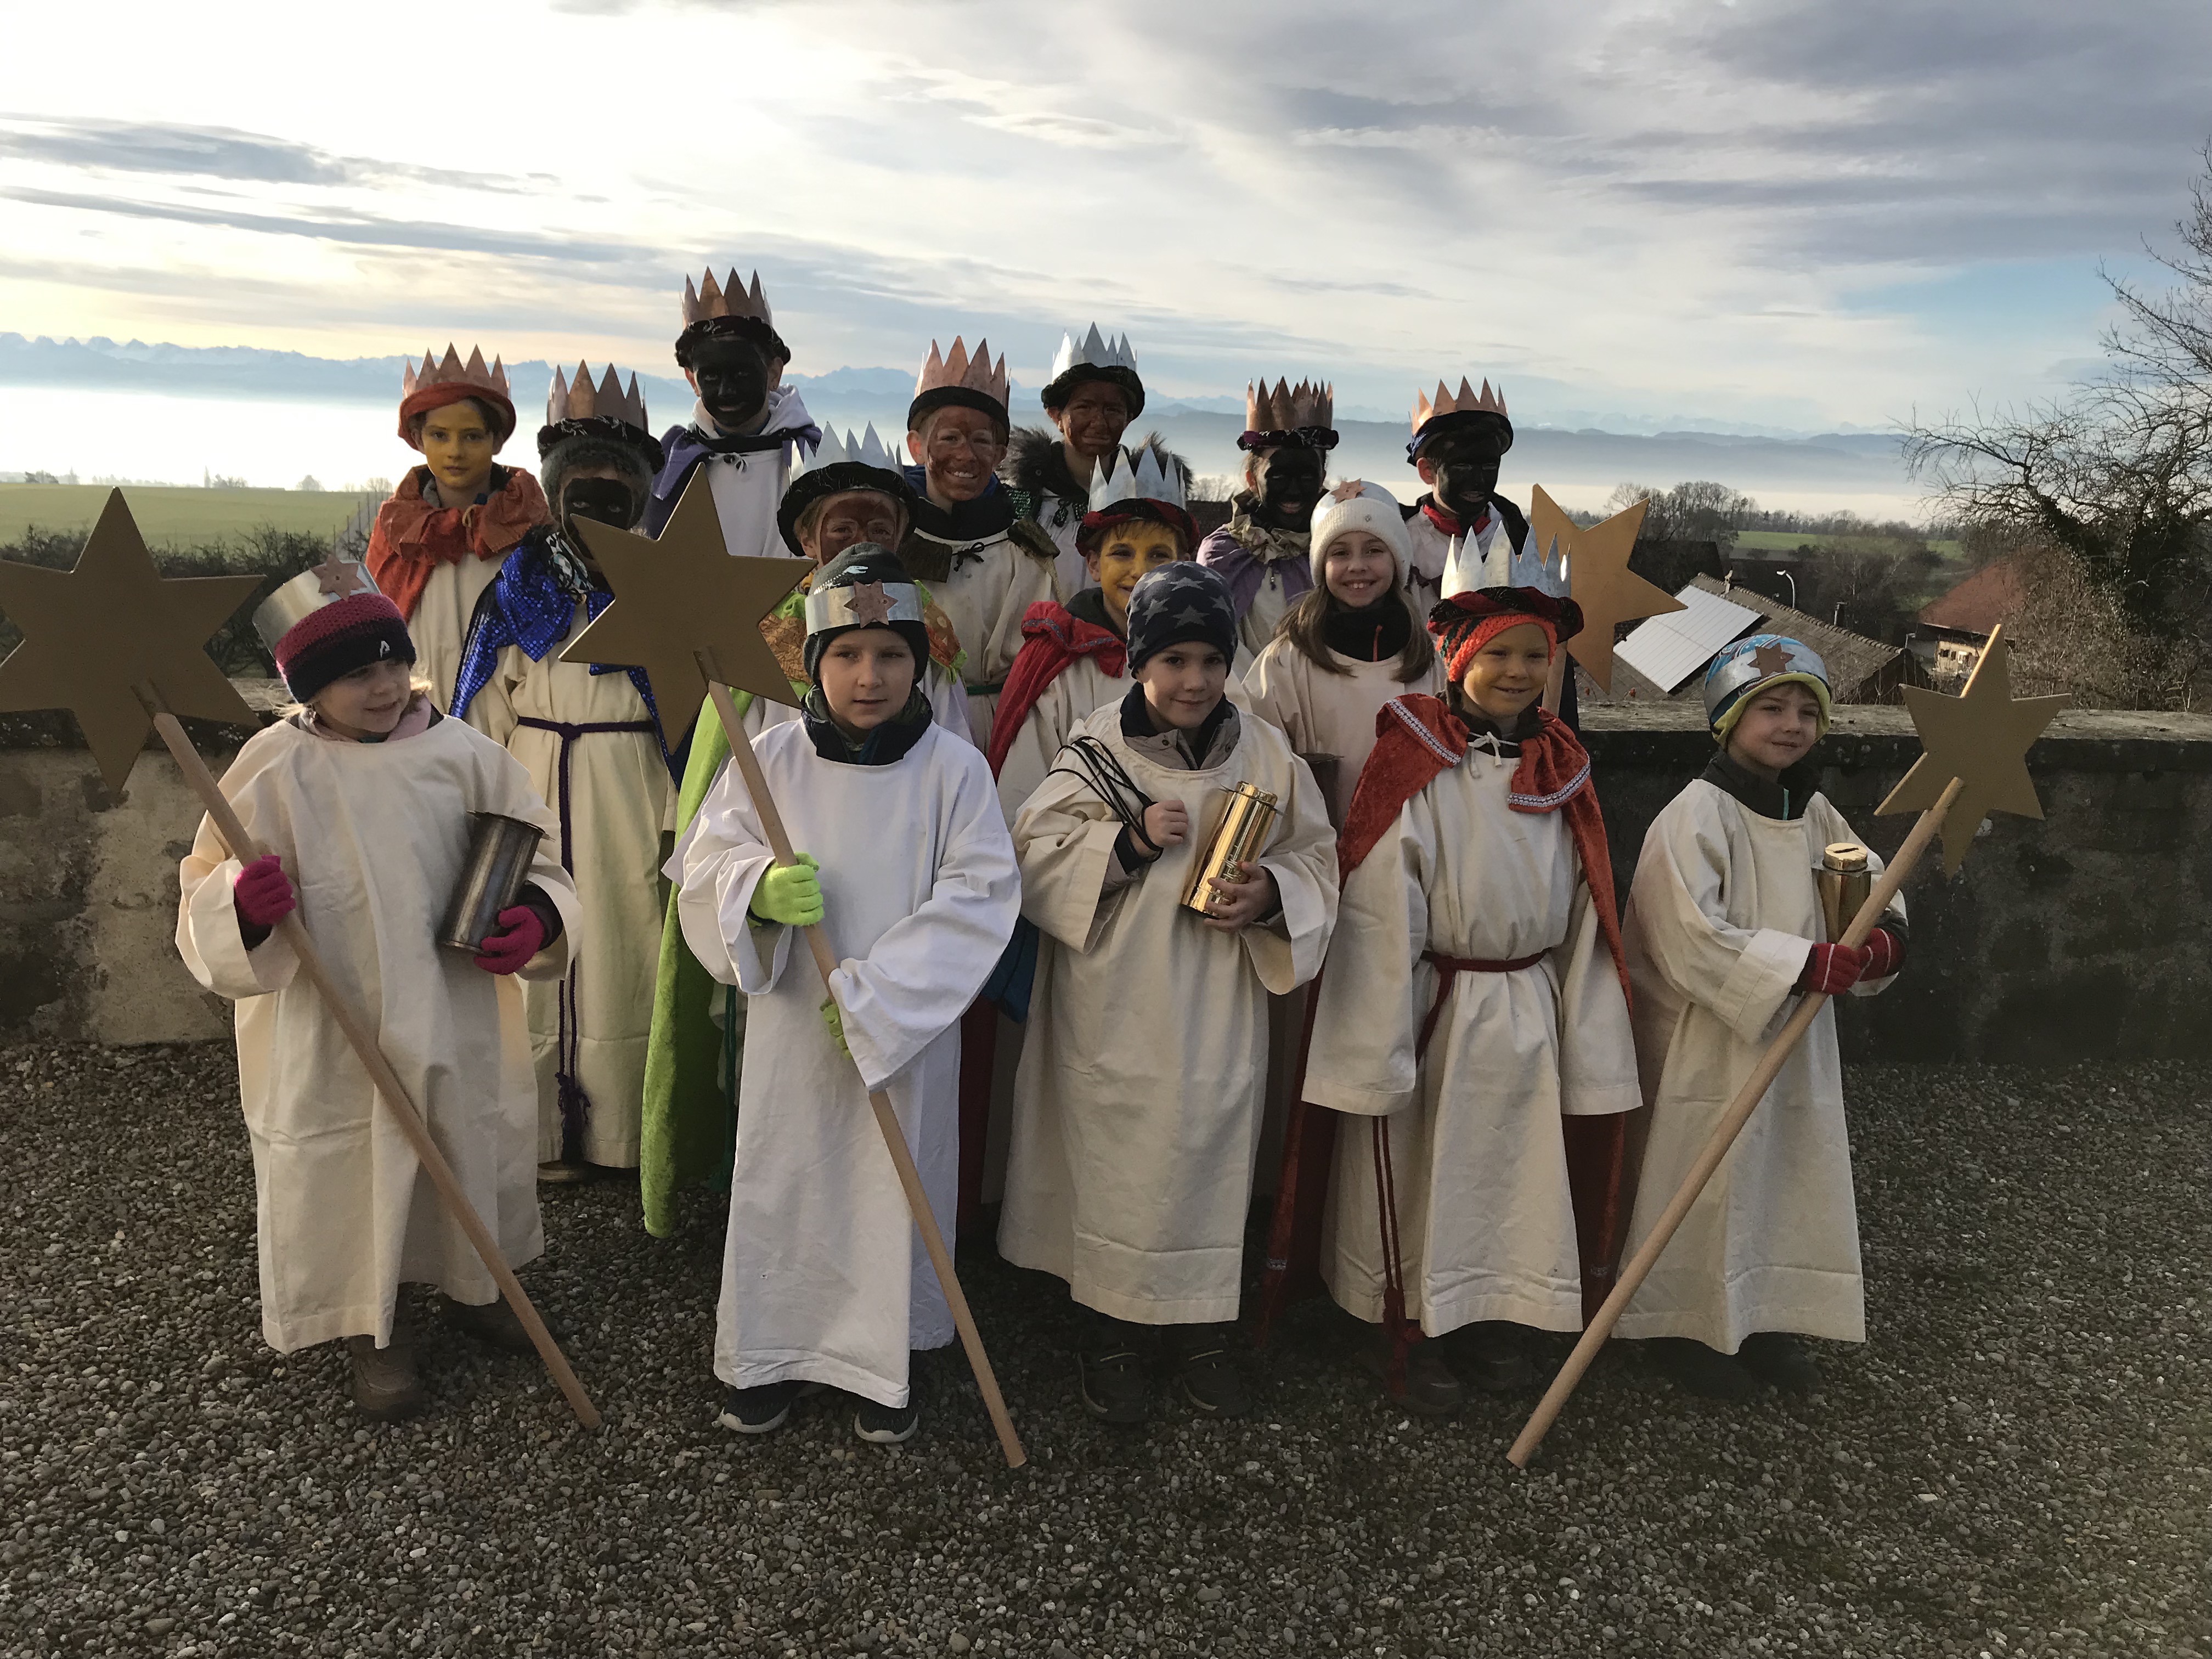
(170, 517)
(1749, 541)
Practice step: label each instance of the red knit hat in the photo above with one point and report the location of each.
(1463, 624)
(338, 638)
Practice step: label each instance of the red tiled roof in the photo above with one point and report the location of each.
(1979, 604)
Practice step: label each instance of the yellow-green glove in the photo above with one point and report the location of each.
(790, 893)
(836, 1021)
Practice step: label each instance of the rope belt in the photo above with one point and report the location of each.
(575, 1105)
(1449, 969)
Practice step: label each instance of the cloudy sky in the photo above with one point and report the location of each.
(1789, 213)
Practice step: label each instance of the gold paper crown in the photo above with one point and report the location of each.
(728, 299)
(453, 370)
(1467, 402)
(579, 399)
(956, 369)
(1287, 407)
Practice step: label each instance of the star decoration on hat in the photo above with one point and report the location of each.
(1771, 659)
(1980, 737)
(340, 578)
(1347, 489)
(683, 596)
(872, 606)
(93, 637)
(1599, 580)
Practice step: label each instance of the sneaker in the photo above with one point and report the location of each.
(886, 1426)
(384, 1385)
(1779, 1359)
(1493, 1355)
(757, 1410)
(1705, 1371)
(1205, 1373)
(495, 1323)
(1430, 1388)
(1109, 1373)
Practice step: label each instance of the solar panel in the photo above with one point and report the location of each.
(1667, 650)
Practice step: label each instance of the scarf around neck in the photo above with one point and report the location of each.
(414, 533)
(1243, 550)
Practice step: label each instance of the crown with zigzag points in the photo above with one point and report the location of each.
(711, 299)
(1150, 473)
(1287, 407)
(1095, 349)
(579, 399)
(1466, 401)
(1468, 569)
(452, 371)
(864, 450)
(956, 368)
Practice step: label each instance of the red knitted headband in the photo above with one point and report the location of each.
(1480, 631)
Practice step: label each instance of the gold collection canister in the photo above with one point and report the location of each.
(1846, 883)
(1248, 814)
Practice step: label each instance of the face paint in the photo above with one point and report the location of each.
(731, 375)
(1092, 420)
(1461, 472)
(1288, 482)
(958, 448)
(850, 517)
(601, 499)
(1124, 553)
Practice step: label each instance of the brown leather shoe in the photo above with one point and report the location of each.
(495, 1324)
(384, 1385)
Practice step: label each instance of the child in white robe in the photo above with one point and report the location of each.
(1473, 1010)
(1137, 1108)
(363, 799)
(824, 1279)
(1725, 932)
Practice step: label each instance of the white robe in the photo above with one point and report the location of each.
(440, 626)
(1485, 1222)
(1721, 916)
(1330, 718)
(825, 1279)
(749, 488)
(1425, 571)
(986, 596)
(1137, 1106)
(618, 800)
(375, 837)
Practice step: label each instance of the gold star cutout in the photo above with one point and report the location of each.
(682, 595)
(1981, 737)
(1347, 489)
(872, 606)
(1769, 659)
(1598, 579)
(340, 579)
(93, 634)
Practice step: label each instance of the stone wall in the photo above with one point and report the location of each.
(2087, 934)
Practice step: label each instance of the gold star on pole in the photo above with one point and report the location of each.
(1981, 737)
(679, 596)
(1599, 580)
(93, 635)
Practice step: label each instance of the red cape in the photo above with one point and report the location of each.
(1053, 637)
(411, 538)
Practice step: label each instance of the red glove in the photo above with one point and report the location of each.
(263, 895)
(521, 936)
(1885, 954)
(1831, 970)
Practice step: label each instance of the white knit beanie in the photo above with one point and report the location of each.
(1357, 505)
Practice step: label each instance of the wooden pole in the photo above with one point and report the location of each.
(245, 848)
(1639, 1266)
(1555, 680)
(917, 1199)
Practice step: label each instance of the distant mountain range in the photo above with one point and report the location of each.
(1856, 469)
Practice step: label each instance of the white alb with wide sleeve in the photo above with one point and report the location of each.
(1723, 912)
(824, 1276)
(1330, 718)
(375, 837)
(1485, 1222)
(1137, 1110)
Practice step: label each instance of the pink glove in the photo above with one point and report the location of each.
(262, 894)
(1885, 954)
(1830, 968)
(521, 936)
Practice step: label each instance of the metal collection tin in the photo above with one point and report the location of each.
(1845, 883)
(500, 849)
(1248, 815)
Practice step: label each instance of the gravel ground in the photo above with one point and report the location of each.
(2020, 1462)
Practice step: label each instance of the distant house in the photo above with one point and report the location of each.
(1951, 633)
(1665, 657)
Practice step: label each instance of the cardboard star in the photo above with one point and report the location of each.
(680, 595)
(1982, 737)
(115, 622)
(872, 606)
(1769, 659)
(1598, 579)
(340, 579)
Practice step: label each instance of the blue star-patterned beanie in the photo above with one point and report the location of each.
(1177, 605)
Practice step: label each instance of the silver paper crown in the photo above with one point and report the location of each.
(333, 579)
(579, 399)
(866, 450)
(1469, 569)
(1752, 661)
(1143, 473)
(1095, 349)
(862, 604)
